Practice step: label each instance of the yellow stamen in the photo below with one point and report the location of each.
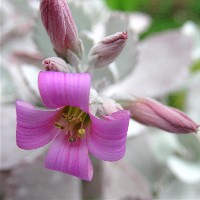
(81, 132)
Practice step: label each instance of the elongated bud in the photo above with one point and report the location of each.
(56, 64)
(152, 113)
(60, 26)
(107, 50)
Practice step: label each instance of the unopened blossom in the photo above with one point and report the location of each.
(107, 50)
(55, 64)
(71, 126)
(108, 106)
(152, 113)
(60, 26)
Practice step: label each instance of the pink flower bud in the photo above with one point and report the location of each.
(152, 113)
(60, 26)
(56, 64)
(108, 106)
(107, 50)
(111, 107)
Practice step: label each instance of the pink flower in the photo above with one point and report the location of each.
(152, 113)
(71, 126)
(60, 26)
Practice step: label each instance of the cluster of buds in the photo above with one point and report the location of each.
(61, 28)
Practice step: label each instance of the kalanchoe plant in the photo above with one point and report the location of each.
(83, 119)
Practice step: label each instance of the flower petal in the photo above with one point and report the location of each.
(107, 138)
(71, 158)
(59, 89)
(35, 128)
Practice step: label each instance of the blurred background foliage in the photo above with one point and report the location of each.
(166, 14)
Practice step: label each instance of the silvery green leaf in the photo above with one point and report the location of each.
(81, 18)
(127, 182)
(32, 58)
(42, 40)
(175, 189)
(23, 7)
(126, 61)
(181, 154)
(186, 171)
(139, 22)
(117, 22)
(191, 143)
(139, 155)
(88, 41)
(33, 181)
(14, 35)
(8, 93)
(21, 85)
(107, 75)
(193, 96)
(163, 63)
(90, 11)
(191, 29)
(73, 59)
(30, 75)
(185, 163)
(135, 129)
(120, 21)
(164, 145)
(6, 10)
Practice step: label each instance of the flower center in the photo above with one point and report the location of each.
(74, 122)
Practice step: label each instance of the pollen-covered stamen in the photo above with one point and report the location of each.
(81, 132)
(74, 121)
